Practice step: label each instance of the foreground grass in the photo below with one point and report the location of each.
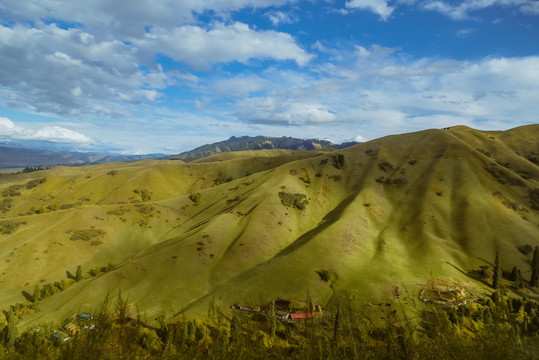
(503, 329)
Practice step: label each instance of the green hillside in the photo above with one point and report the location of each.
(402, 212)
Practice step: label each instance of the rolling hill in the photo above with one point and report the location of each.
(393, 215)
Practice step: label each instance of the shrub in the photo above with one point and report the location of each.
(325, 275)
(385, 166)
(6, 204)
(145, 195)
(221, 179)
(8, 226)
(305, 176)
(299, 201)
(86, 235)
(34, 183)
(533, 195)
(67, 206)
(371, 152)
(13, 190)
(119, 211)
(195, 198)
(502, 176)
(338, 161)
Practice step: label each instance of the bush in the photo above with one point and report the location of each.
(325, 275)
(385, 166)
(195, 198)
(338, 161)
(145, 195)
(6, 204)
(299, 201)
(11, 191)
(305, 176)
(8, 226)
(86, 235)
(533, 195)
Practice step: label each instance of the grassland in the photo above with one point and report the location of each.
(397, 212)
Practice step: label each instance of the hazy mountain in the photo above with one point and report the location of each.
(401, 213)
(244, 143)
(20, 157)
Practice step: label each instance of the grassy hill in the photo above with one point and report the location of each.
(391, 216)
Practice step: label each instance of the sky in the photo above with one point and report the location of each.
(166, 76)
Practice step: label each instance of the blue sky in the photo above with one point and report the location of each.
(165, 76)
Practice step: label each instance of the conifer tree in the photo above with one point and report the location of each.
(273, 324)
(37, 293)
(78, 275)
(534, 281)
(496, 276)
(515, 274)
(337, 323)
(234, 329)
(10, 332)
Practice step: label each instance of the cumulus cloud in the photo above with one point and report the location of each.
(97, 58)
(69, 72)
(381, 92)
(379, 7)
(201, 48)
(48, 133)
(279, 111)
(118, 18)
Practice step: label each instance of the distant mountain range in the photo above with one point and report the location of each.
(244, 143)
(12, 157)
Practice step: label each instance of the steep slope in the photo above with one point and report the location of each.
(394, 212)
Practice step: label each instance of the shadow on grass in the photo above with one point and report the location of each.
(473, 274)
(28, 297)
(70, 275)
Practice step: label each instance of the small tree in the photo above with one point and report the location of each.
(37, 293)
(78, 275)
(515, 274)
(337, 323)
(534, 281)
(496, 275)
(272, 321)
(234, 329)
(10, 332)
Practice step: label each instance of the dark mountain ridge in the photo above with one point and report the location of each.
(244, 143)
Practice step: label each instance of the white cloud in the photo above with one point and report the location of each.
(464, 33)
(201, 48)
(108, 18)
(68, 72)
(382, 92)
(280, 17)
(379, 7)
(279, 111)
(48, 133)
(462, 9)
